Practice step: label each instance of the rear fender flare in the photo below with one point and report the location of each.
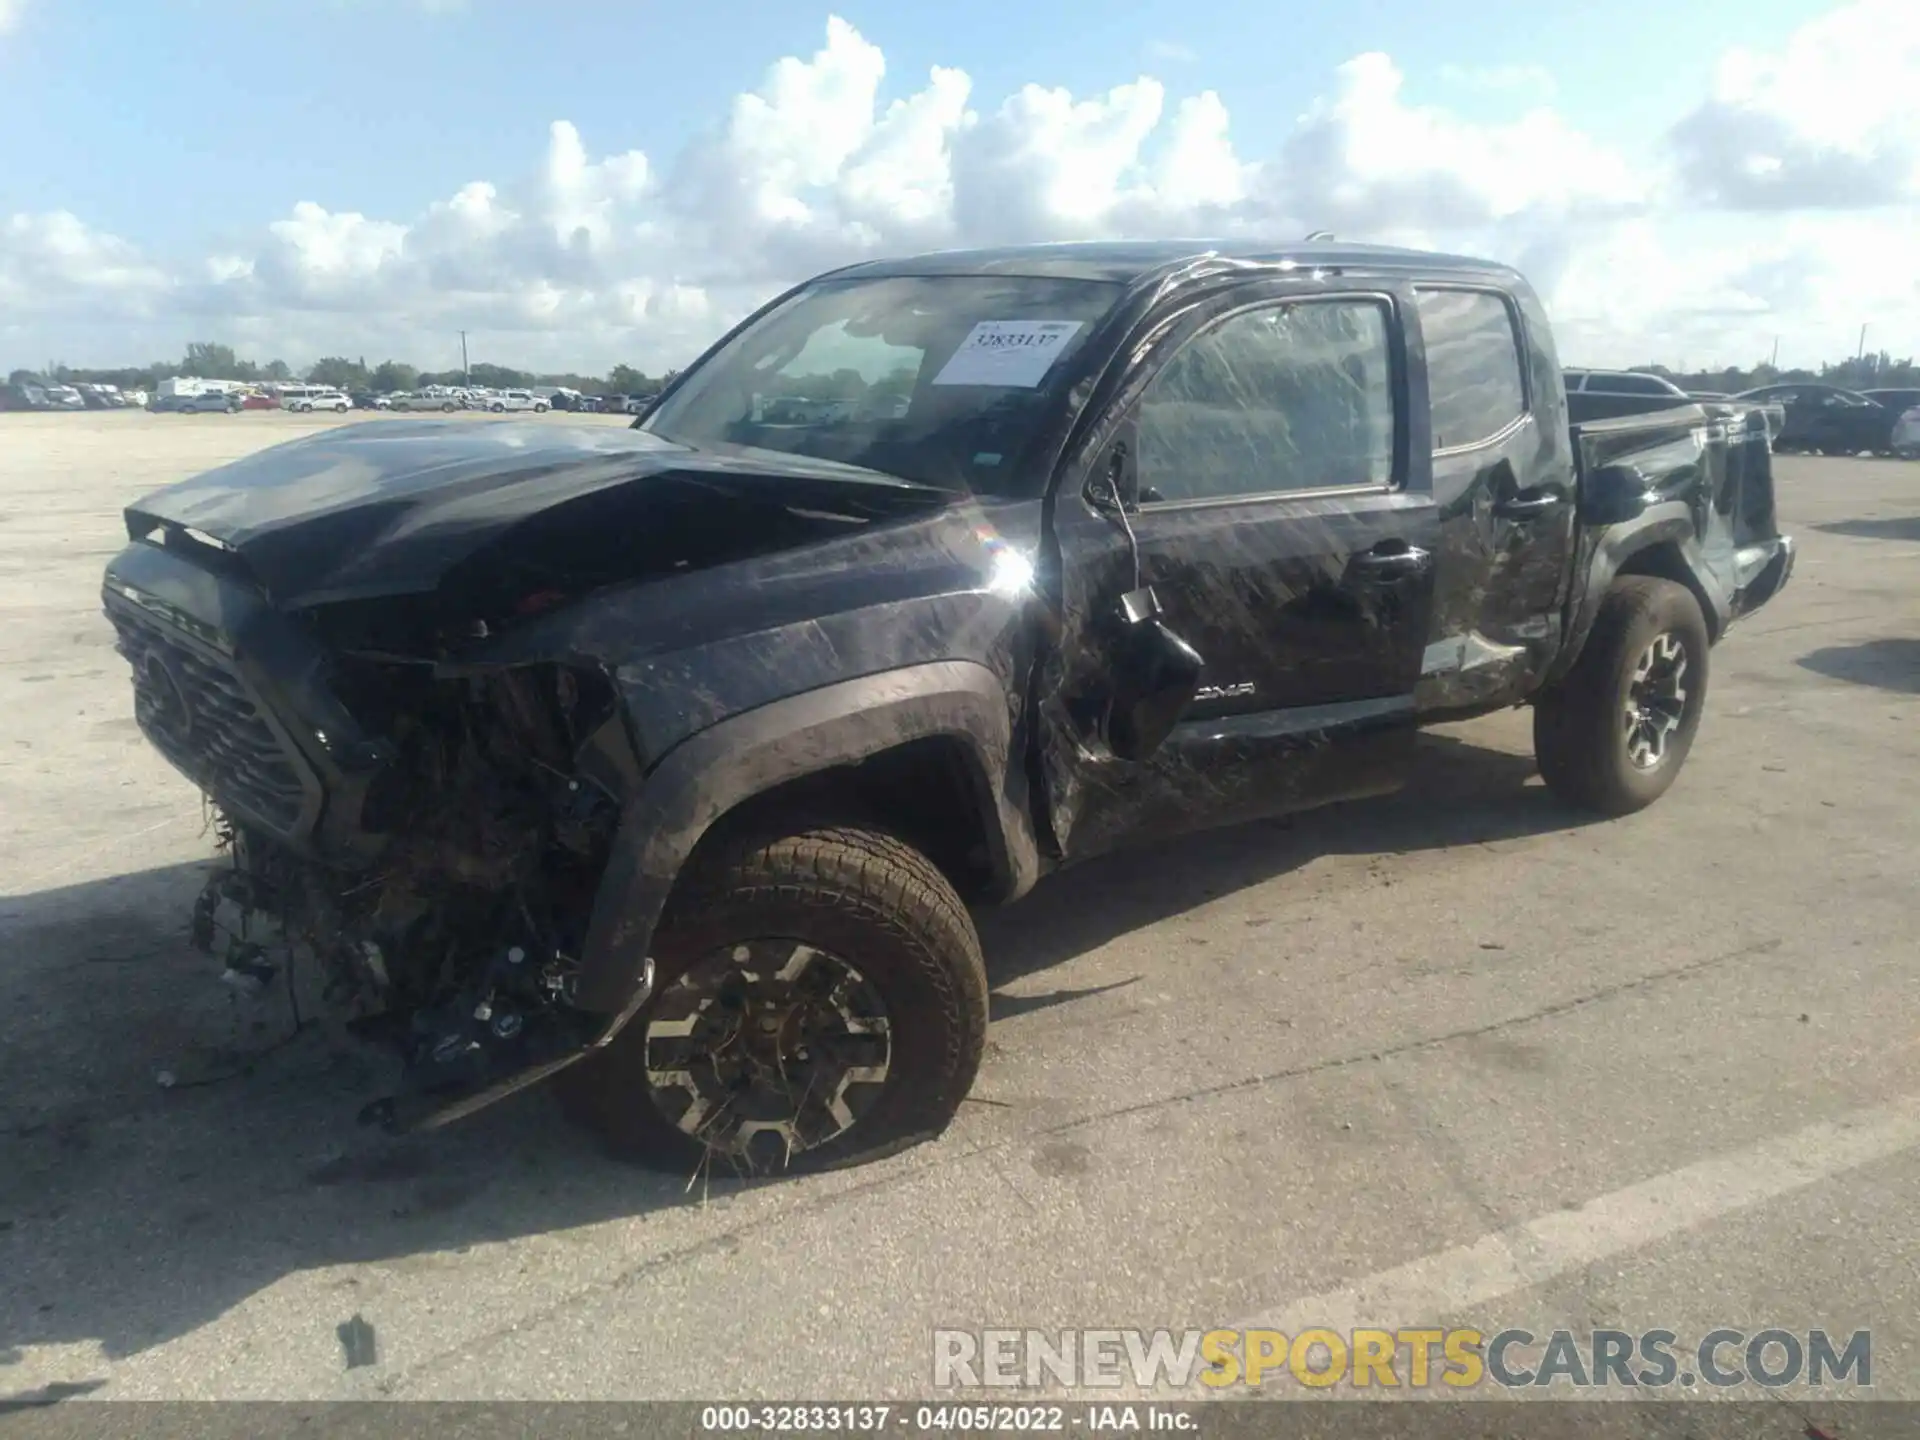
(713, 772)
(1669, 523)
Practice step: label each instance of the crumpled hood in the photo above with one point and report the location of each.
(393, 507)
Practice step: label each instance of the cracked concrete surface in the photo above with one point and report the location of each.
(1225, 1075)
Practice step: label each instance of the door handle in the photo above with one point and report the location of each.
(1529, 504)
(1390, 560)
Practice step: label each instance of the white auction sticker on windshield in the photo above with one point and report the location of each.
(1008, 352)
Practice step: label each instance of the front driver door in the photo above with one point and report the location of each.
(1286, 525)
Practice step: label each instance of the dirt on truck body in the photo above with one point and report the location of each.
(671, 759)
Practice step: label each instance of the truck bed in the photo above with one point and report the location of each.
(1716, 459)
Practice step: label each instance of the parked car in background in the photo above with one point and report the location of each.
(1828, 420)
(24, 397)
(507, 400)
(259, 400)
(446, 401)
(565, 399)
(1603, 394)
(1906, 425)
(65, 397)
(367, 400)
(1906, 435)
(1899, 401)
(208, 402)
(307, 398)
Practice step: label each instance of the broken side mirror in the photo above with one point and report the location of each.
(1613, 494)
(1156, 674)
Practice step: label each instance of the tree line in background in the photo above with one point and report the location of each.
(208, 361)
(1864, 372)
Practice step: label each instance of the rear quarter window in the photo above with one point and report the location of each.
(1474, 373)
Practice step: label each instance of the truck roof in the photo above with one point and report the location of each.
(1132, 261)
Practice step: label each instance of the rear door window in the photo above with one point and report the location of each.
(1474, 377)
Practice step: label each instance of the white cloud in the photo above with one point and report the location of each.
(10, 14)
(603, 256)
(1832, 121)
(54, 264)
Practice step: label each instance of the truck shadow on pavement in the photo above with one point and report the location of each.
(1894, 527)
(1888, 663)
(132, 1214)
(1458, 794)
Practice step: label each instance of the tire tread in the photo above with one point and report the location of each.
(846, 873)
(1577, 750)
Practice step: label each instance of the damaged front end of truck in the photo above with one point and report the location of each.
(431, 843)
(316, 635)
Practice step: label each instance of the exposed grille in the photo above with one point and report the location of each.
(199, 714)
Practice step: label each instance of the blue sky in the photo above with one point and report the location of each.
(182, 127)
(174, 119)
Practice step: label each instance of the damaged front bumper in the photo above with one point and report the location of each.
(489, 974)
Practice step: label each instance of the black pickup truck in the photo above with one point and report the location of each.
(671, 758)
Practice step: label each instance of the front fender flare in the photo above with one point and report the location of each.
(714, 771)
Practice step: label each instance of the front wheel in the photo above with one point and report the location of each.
(820, 1000)
(1613, 734)
(539, 409)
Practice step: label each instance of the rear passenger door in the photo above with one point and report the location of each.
(1286, 529)
(1503, 487)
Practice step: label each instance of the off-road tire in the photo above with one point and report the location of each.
(1579, 737)
(855, 892)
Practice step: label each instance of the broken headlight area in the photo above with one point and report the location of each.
(490, 824)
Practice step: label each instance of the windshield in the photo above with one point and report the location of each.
(943, 380)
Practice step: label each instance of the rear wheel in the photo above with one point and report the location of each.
(820, 1000)
(1612, 735)
(448, 407)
